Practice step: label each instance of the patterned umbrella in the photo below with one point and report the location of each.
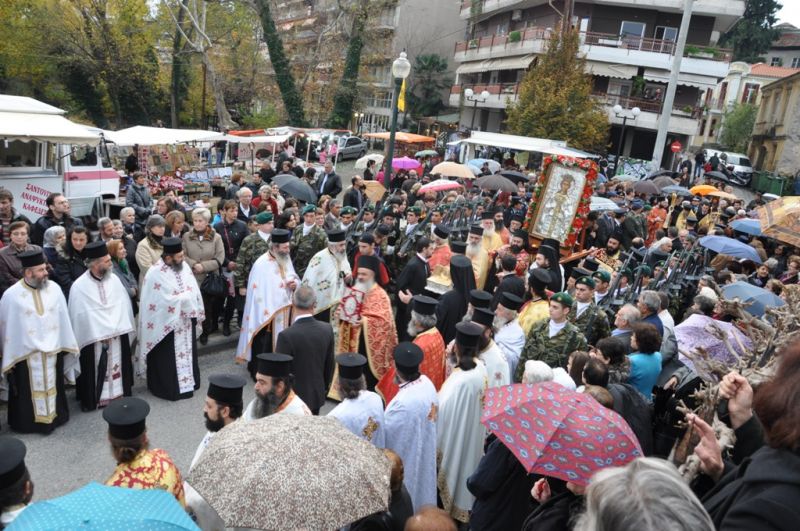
(780, 219)
(374, 190)
(558, 432)
(705, 333)
(291, 472)
(440, 185)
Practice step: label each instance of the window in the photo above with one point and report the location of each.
(83, 156)
(713, 127)
(17, 154)
(382, 100)
(666, 33)
(796, 62)
(776, 61)
(750, 92)
(723, 93)
(387, 16)
(631, 33)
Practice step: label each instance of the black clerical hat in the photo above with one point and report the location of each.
(590, 264)
(407, 356)
(280, 236)
(476, 229)
(172, 245)
(458, 246)
(226, 388)
(336, 236)
(483, 316)
(351, 365)
(441, 232)
(274, 364)
(370, 262)
(540, 277)
(578, 272)
(468, 334)
(521, 233)
(94, 250)
(126, 417)
(31, 258)
(487, 214)
(550, 242)
(510, 301)
(424, 305)
(479, 298)
(12, 461)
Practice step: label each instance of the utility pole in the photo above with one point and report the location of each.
(669, 97)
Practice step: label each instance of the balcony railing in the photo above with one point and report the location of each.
(647, 105)
(494, 89)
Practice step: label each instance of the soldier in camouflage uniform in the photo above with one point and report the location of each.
(308, 239)
(553, 349)
(368, 222)
(413, 214)
(253, 246)
(585, 314)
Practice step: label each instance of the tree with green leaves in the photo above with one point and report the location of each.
(737, 126)
(555, 99)
(428, 81)
(754, 33)
(347, 91)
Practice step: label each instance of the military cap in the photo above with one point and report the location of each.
(602, 275)
(586, 281)
(263, 217)
(563, 298)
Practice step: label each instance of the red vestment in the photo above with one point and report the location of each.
(432, 366)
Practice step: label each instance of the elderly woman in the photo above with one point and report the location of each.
(10, 265)
(149, 250)
(265, 201)
(70, 263)
(53, 237)
(204, 253)
(176, 225)
(128, 218)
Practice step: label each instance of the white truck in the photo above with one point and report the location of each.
(42, 152)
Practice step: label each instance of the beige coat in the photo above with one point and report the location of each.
(209, 252)
(146, 257)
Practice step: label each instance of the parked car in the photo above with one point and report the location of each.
(352, 147)
(735, 165)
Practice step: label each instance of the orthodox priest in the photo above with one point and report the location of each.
(269, 300)
(441, 253)
(372, 332)
(39, 349)
(102, 318)
(327, 274)
(478, 256)
(170, 311)
(360, 411)
(422, 329)
(459, 431)
(453, 305)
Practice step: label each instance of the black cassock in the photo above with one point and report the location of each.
(262, 344)
(414, 278)
(87, 390)
(20, 406)
(162, 371)
(453, 305)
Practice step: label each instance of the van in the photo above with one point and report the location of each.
(738, 166)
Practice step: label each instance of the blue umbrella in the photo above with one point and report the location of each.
(731, 247)
(756, 299)
(493, 164)
(675, 189)
(99, 507)
(748, 226)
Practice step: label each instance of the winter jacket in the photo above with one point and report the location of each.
(138, 198)
(146, 256)
(67, 269)
(207, 251)
(11, 266)
(47, 221)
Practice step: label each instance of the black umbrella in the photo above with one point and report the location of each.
(496, 182)
(295, 187)
(283, 178)
(514, 176)
(658, 173)
(716, 175)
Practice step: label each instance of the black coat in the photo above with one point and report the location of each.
(67, 270)
(333, 186)
(47, 221)
(232, 237)
(351, 198)
(311, 343)
(414, 278)
(509, 284)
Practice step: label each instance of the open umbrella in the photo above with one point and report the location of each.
(426, 153)
(558, 432)
(100, 507)
(710, 335)
(755, 299)
(295, 187)
(731, 247)
(283, 178)
(515, 176)
(452, 169)
(625, 178)
(496, 182)
(663, 182)
(405, 163)
(599, 204)
(780, 219)
(658, 173)
(374, 190)
(675, 189)
(646, 187)
(703, 189)
(494, 166)
(748, 226)
(361, 164)
(291, 472)
(439, 185)
(716, 175)
(723, 195)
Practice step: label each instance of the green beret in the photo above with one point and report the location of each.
(309, 209)
(369, 208)
(586, 281)
(645, 270)
(661, 264)
(627, 273)
(264, 217)
(563, 298)
(648, 208)
(414, 210)
(602, 275)
(441, 209)
(388, 212)
(349, 210)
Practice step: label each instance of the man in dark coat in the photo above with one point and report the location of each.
(412, 281)
(354, 196)
(57, 214)
(509, 281)
(329, 183)
(310, 342)
(453, 304)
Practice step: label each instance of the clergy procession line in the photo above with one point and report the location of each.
(499, 362)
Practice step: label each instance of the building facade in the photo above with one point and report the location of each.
(785, 51)
(628, 47)
(776, 135)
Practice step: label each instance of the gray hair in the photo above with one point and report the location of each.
(631, 313)
(537, 371)
(658, 243)
(304, 298)
(771, 263)
(651, 300)
(647, 494)
(202, 212)
(242, 190)
(52, 234)
(125, 211)
(156, 220)
(116, 222)
(102, 222)
(265, 188)
(426, 322)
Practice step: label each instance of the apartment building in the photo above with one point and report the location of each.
(628, 45)
(775, 145)
(785, 50)
(316, 35)
(742, 85)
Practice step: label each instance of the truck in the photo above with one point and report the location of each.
(42, 152)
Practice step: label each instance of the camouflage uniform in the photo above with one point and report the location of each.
(305, 247)
(253, 246)
(554, 351)
(600, 327)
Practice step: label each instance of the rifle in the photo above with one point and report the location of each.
(610, 299)
(418, 232)
(352, 235)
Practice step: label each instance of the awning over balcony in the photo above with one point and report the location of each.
(502, 63)
(689, 80)
(610, 70)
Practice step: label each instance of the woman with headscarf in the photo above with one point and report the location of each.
(453, 305)
(53, 237)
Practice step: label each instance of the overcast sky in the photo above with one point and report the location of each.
(790, 12)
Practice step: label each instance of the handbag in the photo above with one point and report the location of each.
(214, 285)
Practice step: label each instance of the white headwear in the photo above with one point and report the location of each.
(536, 371)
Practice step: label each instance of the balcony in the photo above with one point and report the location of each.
(500, 94)
(682, 120)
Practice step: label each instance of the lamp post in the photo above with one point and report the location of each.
(401, 68)
(358, 117)
(469, 95)
(618, 113)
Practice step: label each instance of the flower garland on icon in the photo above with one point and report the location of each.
(590, 167)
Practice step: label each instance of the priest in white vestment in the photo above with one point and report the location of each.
(410, 420)
(102, 319)
(170, 310)
(460, 434)
(268, 306)
(39, 349)
(489, 353)
(508, 333)
(274, 393)
(360, 411)
(326, 275)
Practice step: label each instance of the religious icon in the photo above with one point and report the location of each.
(562, 193)
(350, 307)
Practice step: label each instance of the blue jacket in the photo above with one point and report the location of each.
(645, 369)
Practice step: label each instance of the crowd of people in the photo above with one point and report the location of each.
(407, 319)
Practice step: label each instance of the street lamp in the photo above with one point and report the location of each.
(401, 68)
(357, 117)
(618, 113)
(469, 95)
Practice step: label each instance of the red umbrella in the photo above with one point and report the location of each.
(439, 185)
(558, 432)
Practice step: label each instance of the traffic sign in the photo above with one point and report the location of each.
(675, 146)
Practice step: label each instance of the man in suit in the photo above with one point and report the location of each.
(310, 342)
(354, 196)
(412, 281)
(329, 183)
(626, 317)
(509, 282)
(245, 196)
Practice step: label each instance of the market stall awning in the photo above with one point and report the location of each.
(611, 70)
(27, 119)
(156, 136)
(405, 138)
(521, 143)
(258, 139)
(689, 80)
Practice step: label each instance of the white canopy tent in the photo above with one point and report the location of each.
(27, 119)
(261, 139)
(155, 136)
(523, 143)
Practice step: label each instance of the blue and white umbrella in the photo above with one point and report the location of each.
(748, 226)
